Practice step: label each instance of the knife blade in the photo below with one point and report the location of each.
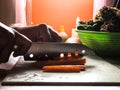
(49, 50)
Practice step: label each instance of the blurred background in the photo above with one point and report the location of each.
(52, 12)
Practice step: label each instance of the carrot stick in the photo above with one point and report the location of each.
(83, 67)
(62, 68)
(74, 61)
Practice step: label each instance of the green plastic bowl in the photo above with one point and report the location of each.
(102, 43)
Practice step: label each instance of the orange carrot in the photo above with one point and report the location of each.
(62, 68)
(72, 61)
(83, 67)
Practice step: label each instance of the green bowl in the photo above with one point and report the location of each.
(102, 43)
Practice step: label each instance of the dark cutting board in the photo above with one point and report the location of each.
(98, 72)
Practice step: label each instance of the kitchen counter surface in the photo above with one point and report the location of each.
(99, 72)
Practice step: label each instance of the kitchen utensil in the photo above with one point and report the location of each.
(49, 50)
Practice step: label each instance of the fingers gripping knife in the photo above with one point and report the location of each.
(48, 50)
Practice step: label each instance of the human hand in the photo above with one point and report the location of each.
(40, 33)
(11, 40)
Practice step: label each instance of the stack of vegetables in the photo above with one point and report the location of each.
(107, 19)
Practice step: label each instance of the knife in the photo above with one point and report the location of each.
(49, 50)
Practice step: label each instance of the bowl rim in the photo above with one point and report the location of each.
(97, 32)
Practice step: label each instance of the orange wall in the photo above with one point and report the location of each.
(61, 12)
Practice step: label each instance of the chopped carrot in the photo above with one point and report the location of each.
(63, 68)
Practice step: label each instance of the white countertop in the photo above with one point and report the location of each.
(98, 71)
